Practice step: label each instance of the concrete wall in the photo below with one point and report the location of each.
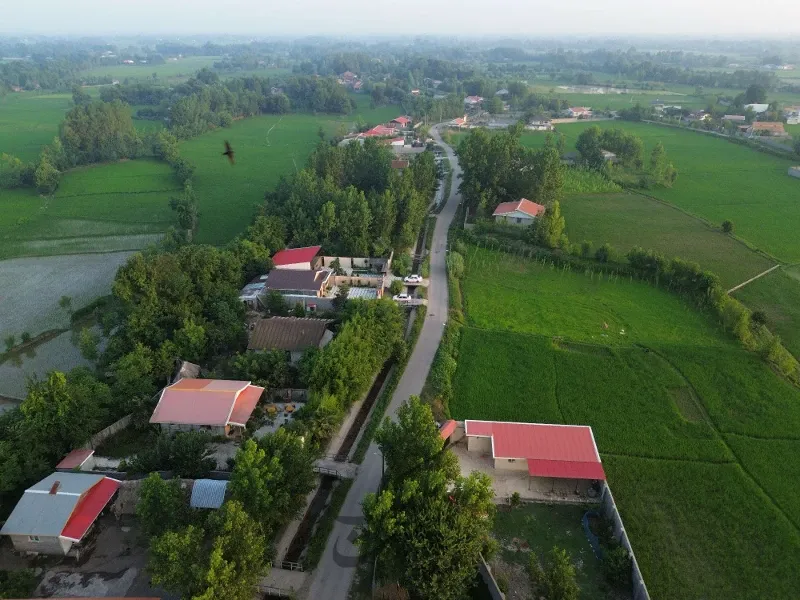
(610, 511)
(479, 444)
(175, 428)
(458, 432)
(375, 281)
(102, 435)
(524, 221)
(489, 580)
(511, 464)
(46, 544)
(321, 303)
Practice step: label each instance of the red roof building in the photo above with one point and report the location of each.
(401, 121)
(557, 451)
(296, 258)
(447, 429)
(400, 164)
(379, 131)
(521, 212)
(76, 459)
(217, 405)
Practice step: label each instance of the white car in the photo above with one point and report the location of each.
(412, 279)
(401, 298)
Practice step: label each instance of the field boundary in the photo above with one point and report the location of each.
(741, 285)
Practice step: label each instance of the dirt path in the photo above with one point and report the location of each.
(741, 285)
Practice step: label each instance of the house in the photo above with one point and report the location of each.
(447, 428)
(299, 282)
(540, 124)
(379, 131)
(579, 112)
(734, 118)
(56, 515)
(757, 108)
(297, 259)
(699, 115)
(459, 122)
(473, 100)
(220, 406)
(290, 334)
(767, 128)
(250, 294)
(522, 212)
(794, 171)
(80, 459)
(398, 141)
(348, 77)
(657, 105)
(357, 86)
(208, 493)
(401, 122)
(400, 164)
(545, 451)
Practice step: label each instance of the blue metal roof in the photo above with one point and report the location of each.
(208, 493)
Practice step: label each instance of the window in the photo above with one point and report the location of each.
(519, 219)
(512, 460)
(33, 538)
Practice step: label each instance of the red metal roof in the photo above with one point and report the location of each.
(204, 402)
(523, 205)
(447, 429)
(245, 404)
(566, 451)
(379, 130)
(292, 256)
(75, 458)
(88, 508)
(401, 120)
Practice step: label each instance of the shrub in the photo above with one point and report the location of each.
(759, 317)
(502, 582)
(617, 565)
(11, 341)
(455, 265)
(402, 265)
(26, 337)
(604, 253)
(395, 287)
(515, 500)
(727, 226)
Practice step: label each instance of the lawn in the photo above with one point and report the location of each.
(778, 295)
(116, 206)
(699, 437)
(628, 220)
(266, 147)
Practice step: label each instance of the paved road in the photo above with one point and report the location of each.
(334, 575)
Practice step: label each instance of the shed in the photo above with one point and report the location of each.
(208, 493)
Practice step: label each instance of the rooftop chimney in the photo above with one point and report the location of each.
(56, 485)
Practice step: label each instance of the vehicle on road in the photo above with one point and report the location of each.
(401, 298)
(412, 279)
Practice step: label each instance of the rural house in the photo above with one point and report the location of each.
(459, 122)
(401, 122)
(220, 406)
(539, 124)
(767, 128)
(522, 212)
(298, 282)
(544, 451)
(56, 515)
(472, 100)
(579, 112)
(379, 131)
(290, 334)
(757, 108)
(297, 259)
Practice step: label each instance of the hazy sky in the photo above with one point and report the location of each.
(344, 17)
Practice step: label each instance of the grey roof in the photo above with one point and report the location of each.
(208, 493)
(287, 333)
(362, 292)
(39, 512)
(296, 279)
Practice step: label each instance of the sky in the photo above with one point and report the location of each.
(533, 18)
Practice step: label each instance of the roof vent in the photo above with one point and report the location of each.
(56, 485)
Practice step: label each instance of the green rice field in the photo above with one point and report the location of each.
(170, 70)
(695, 432)
(29, 120)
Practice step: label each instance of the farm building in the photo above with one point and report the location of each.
(794, 171)
(298, 259)
(56, 515)
(220, 406)
(767, 128)
(545, 451)
(609, 156)
(299, 282)
(290, 334)
(522, 212)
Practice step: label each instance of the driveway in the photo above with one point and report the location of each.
(334, 575)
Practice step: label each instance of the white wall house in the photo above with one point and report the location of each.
(522, 212)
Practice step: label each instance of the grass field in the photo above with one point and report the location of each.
(172, 71)
(118, 206)
(695, 433)
(266, 148)
(778, 295)
(628, 220)
(30, 120)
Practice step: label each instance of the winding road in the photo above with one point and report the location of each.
(334, 574)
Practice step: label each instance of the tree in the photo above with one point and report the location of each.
(298, 310)
(88, 342)
(395, 287)
(187, 454)
(550, 226)
(79, 97)
(590, 148)
(755, 94)
(604, 253)
(162, 505)
(46, 177)
(99, 131)
(178, 561)
(340, 300)
(402, 265)
(495, 105)
(65, 302)
(727, 226)
(617, 567)
(13, 172)
(276, 304)
(557, 578)
(758, 318)
(10, 342)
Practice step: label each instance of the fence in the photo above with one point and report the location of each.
(489, 580)
(289, 395)
(610, 511)
(286, 565)
(102, 435)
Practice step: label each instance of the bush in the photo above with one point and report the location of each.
(727, 226)
(617, 566)
(515, 500)
(26, 337)
(502, 582)
(604, 253)
(395, 287)
(402, 265)
(455, 265)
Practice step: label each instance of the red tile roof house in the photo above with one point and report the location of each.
(56, 515)
(379, 131)
(545, 451)
(401, 122)
(219, 406)
(522, 212)
(298, 259)
(473, 100)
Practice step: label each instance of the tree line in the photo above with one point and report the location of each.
(351, 201)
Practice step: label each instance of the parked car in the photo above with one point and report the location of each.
(412, 279)
(401, 298)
